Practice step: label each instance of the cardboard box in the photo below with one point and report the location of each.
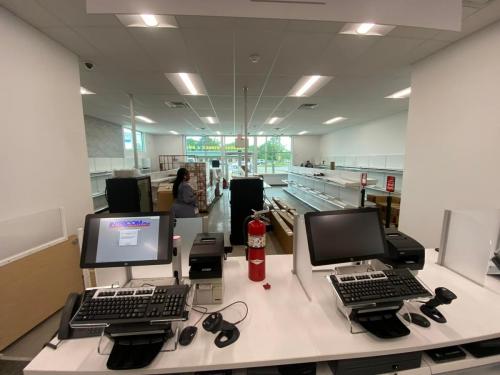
(165, 197)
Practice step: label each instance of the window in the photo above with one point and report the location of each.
(274, 154)
(271, 154)
(128, 141)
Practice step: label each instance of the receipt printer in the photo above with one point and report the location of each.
(404, 251)
(205, 268)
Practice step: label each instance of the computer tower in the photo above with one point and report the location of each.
(246, 194)
(130, 194)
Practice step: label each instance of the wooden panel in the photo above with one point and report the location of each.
(35, 287)
(282, 232)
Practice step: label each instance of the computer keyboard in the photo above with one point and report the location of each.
(131, 305)
(378, 287)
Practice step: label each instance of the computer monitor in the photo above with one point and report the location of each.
(127, 239)
(344, 236)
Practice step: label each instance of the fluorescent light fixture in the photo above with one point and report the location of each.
(144, 119)
(303, 132)
(147, 20)
(308, 85)
(334, 120)
(210, 120)
(367, 28)
(218, 132)
(150, 20)
(174, 132)
(187, 83)
(261, 132)
(274, 120)
(402, 94)
(84, 91)
(363, 28)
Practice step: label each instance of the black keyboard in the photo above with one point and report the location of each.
(131, 305)
(378, 287)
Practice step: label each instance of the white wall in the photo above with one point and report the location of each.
(43, 154)
(306, 147)
(380, 137)
(453, 140)
(166, 145)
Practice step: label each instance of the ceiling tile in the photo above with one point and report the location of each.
(32, 12)
(74, 13)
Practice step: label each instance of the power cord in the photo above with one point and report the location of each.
(206, 312)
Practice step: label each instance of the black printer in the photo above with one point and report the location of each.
(404, 251)
(206, 256)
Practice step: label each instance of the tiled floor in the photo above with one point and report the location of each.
(219, 218)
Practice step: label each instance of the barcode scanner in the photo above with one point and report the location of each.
(228, 332)
(443, 296)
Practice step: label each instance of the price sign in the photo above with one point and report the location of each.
(364, 179)
(391, 183)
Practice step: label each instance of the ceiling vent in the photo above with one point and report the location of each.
(176, 104)
(478, 4)
(308, 106)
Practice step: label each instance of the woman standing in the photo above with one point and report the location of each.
(184, 196)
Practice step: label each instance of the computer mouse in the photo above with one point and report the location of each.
(187, 335)
(417, 319)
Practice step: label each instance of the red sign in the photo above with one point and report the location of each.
(364, 179)
(391, 183)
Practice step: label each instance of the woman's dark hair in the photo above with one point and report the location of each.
(181, 173)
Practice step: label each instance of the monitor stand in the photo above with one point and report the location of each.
(361, 267)
(135, 346)
(384, 324)
(176, 270)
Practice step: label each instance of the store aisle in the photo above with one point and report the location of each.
(219, 218)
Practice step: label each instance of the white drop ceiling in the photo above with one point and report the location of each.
(135, 60)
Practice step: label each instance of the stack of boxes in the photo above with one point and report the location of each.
(201, 184)
(381, 202)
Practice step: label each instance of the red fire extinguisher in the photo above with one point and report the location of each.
(256, 248)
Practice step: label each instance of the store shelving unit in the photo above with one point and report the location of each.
(377, 167)
(333, 191)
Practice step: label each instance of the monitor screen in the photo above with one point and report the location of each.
(344, 236)
(127, 239)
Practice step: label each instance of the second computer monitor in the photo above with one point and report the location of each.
(344, 236)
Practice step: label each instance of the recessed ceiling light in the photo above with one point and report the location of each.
(187, 83)
(334, 120)
(274, 120)
(147, 20)
(303, 132)
(308, 85)
(210, 120)
(174, 132)
(364, 28)
(218, 132)
(84, 91)
(402, 94)
(144, 119)
(150, 20)
(367, 28)
(261, 132)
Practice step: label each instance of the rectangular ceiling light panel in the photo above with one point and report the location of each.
(334, 120)
(187, 83)
(308, 85)
(148, 20)
(210, 120)
(366, 28)
(84, 91)
(401, 94)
